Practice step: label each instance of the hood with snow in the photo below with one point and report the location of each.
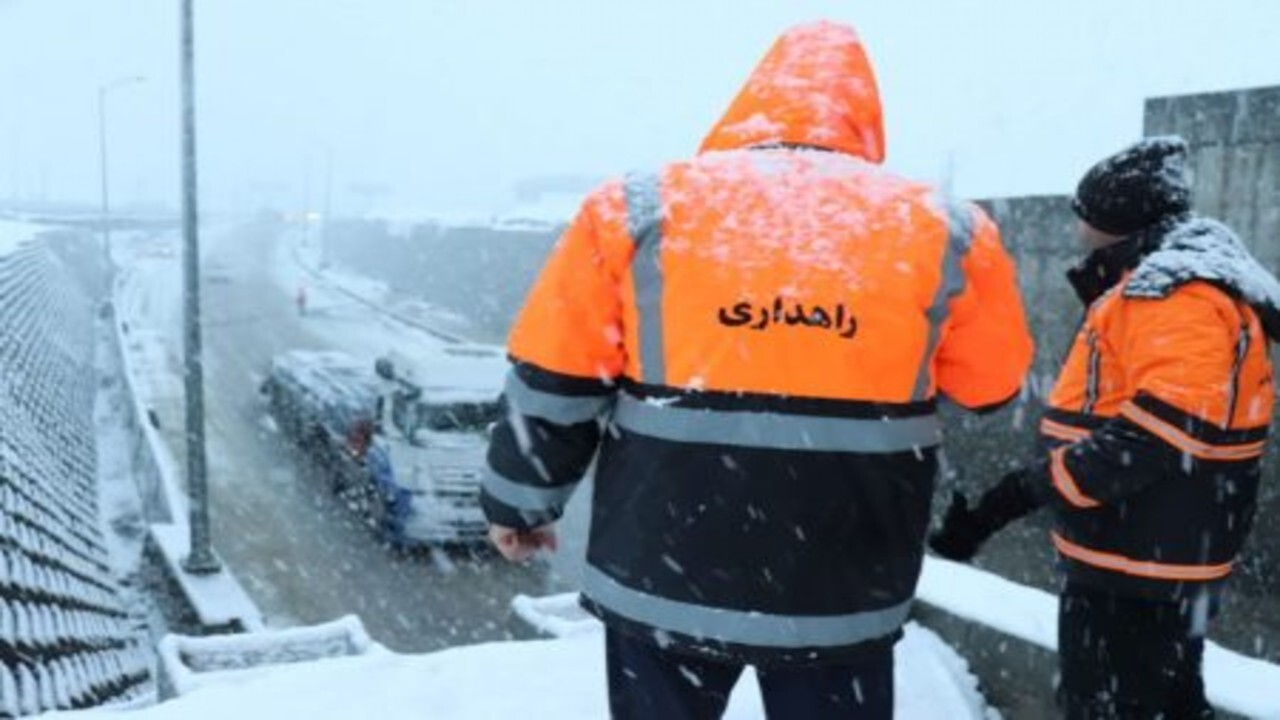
(814, 88)
(1192, 248)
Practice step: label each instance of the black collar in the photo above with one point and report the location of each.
(1103, 268)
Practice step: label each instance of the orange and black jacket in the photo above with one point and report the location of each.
(750, 345)
(1160, 415)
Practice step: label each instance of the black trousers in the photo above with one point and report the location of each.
(649, 683)
(1130, 658)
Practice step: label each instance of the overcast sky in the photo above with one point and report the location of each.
(445, 104)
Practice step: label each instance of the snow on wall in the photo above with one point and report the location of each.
(190, 663)
(65, 637)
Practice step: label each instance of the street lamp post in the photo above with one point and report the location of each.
(102, 161)
(328, 206)
(201, 560)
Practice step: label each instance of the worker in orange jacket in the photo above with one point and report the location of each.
(751, 345)
(1153, 438)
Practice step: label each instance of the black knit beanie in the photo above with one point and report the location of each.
(1137, 187)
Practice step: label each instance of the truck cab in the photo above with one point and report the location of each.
(429, 442)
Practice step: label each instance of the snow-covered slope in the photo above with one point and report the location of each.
(65, 635)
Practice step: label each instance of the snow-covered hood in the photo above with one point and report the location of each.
(814, 87)
(1198, 248)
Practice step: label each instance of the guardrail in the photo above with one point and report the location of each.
(190, 604)
(152, 461)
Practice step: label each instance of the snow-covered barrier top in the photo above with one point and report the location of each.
(188, 663)
(65, 638)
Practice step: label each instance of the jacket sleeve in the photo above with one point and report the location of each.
(566, 355)
(986, 348)
(1179, 355)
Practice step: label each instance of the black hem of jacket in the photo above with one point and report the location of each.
(726, 652)
(989, 408)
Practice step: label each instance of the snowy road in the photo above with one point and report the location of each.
(300, 554)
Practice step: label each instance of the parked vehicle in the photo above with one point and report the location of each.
(400, 441)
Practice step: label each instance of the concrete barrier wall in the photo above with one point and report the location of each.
(1235, 148)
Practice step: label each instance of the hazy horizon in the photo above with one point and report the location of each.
(443, 107)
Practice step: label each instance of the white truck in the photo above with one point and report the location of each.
(402, 439)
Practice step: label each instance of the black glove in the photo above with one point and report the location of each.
(961, 533)
(965, 529)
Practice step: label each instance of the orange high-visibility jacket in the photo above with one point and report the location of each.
(1160, 417)
(764, 329)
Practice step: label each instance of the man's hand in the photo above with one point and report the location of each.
(962, 533)
(965, 529)
(520, 545)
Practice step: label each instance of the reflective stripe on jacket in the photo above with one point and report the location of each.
(755, 340)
